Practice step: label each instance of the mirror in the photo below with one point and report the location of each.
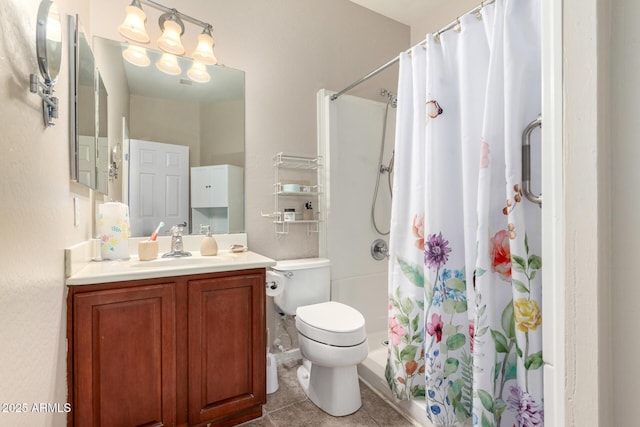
(207, 119)
(88, 144)
(49, 54)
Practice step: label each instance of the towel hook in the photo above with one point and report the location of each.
(526, 162)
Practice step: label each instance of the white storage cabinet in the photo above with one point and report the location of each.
(217, 198)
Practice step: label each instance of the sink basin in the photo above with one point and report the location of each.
(183, 262)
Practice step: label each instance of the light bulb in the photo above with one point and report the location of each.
(170, 39)
(198, 72)
(136, 55)
(133, 25)
(168, 64)
(204, 51)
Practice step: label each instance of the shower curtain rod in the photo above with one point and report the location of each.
(448, 27)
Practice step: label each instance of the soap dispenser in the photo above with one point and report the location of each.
(208, 246)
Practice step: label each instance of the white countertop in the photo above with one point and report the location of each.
(96, 272)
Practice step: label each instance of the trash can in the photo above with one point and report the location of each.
(272, 373)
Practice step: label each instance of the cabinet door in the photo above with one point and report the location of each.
(125, 357)
(209, 186)
(227, 347)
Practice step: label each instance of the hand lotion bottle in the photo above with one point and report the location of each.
(208, 246)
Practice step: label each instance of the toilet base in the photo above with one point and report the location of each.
(334, 390)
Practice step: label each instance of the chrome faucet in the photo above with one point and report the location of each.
(177, 248)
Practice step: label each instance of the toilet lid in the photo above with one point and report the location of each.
(331, 323)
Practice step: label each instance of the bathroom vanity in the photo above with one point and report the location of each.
(168, 342)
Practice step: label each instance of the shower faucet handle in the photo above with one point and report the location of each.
(379, 250)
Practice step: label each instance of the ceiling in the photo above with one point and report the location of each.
(408, 12)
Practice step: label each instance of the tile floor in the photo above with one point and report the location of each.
(290, 407)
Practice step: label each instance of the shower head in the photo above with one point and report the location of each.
(392, 99)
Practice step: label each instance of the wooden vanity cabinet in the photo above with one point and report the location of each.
(178, 351)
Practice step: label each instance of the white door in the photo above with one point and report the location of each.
(87, 160)
(158, 185)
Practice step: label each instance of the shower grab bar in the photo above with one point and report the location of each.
(526, 162)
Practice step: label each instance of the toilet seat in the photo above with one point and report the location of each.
(331, 323)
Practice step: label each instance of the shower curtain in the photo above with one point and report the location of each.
(464, 275)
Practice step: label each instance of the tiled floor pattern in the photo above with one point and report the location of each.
(290, 407)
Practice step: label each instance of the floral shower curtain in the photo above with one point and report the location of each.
(464, 285)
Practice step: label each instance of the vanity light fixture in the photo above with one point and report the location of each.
(168, 64)
(172, 30)
(172, 25)
(137, 55)
(204, 50)
(133, 25)
(198, 72)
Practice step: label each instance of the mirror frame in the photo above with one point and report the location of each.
(49, 58)
(73, 111)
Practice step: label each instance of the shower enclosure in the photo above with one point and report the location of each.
(350, 138)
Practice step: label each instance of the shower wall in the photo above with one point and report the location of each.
(350, 136)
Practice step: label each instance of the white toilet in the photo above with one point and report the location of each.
(331, 335)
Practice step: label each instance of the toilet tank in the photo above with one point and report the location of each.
(306, 281)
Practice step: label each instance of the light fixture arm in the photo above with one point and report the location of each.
(171, 16)
(45, 91)
(177, 13)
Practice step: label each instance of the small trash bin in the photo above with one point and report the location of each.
(272, 374)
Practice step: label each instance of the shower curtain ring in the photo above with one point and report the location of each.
(479, 11)
(458, 26)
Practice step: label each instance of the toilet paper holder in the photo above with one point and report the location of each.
(273, 283)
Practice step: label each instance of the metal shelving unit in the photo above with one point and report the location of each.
(282, 161)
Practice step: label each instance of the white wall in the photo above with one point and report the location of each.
(37, 221)
(220, 138)
(176, 122)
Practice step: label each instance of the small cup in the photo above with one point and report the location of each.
(307, 214)
(148, 250)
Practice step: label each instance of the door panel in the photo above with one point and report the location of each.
(158, 185)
